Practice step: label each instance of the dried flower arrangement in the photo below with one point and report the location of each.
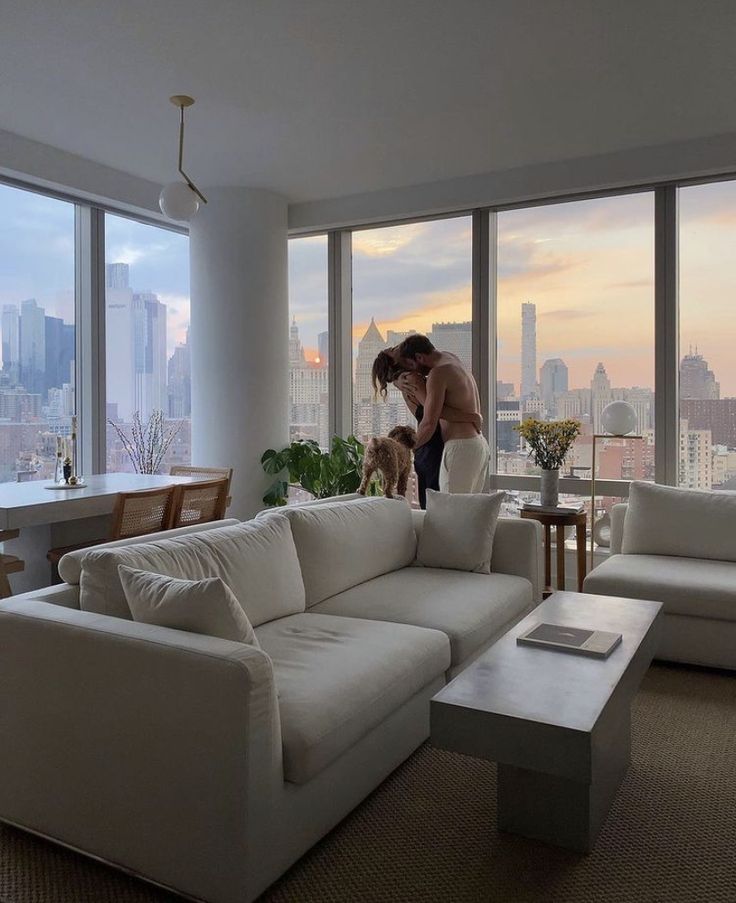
(148, 442)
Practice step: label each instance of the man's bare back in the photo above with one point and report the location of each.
(460, 391)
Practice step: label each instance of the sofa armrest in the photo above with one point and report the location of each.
(517, 549)
(59, 594)
(618, 515)
(144, 746)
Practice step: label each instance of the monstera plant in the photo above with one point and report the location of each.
(322, 473)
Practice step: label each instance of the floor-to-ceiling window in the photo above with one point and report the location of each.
(707, 429)
(147, 335)
(575, 331)
(410, 278)
(308, 340)
(37, 302)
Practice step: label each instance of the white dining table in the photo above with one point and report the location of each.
(49, 518)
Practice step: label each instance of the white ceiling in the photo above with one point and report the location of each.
(323, 98)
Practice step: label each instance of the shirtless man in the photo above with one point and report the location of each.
(466, 455)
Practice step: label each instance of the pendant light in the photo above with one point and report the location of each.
(180, 200)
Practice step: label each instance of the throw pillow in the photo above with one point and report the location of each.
(458, 531)
(683, 523)
(205, 606)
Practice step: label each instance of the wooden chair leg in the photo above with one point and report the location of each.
(560, 557)
(5, 588)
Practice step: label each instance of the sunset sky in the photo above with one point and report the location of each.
(587, 265)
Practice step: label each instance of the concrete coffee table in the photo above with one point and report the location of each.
(558, 724)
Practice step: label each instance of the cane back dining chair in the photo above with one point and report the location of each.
(135, 514)
(200, 502)
(204, 473)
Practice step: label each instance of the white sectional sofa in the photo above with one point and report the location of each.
(677, 547)
(210, 766)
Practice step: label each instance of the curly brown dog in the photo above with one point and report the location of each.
(391, 455)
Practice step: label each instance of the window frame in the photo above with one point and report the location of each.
(485, 325)
(89, 313)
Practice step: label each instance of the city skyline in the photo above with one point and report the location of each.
(587, 264)
(29, 221)
(37, 328)
(438, 333)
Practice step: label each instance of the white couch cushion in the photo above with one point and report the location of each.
(342, 545)
(469, 608)
(207, 607)
(338, 678)
(685, 586)
(70, 566)
(686, 523)
(458, 531)
(257, 560)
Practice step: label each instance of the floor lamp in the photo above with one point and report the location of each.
(619, 420)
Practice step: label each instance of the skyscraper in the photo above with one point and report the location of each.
(59, 353)
(553, 381)
(149, 353)
(528, 350)
(32, 346)
(323, 347)
(296, 352)
(456, 338)
(119, 340)
(11, 342)
(136, 347)
(368, 348)
(696, 379)
(180, 381)
(117, 275)
(308, 393)
(600, 391)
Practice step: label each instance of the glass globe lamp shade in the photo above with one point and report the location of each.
(178, 201)
(618, 418)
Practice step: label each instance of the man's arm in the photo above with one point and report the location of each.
(414, 390)
(434, 402)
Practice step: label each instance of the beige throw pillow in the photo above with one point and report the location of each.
(458, 531)
(208, 606)
(682, 523)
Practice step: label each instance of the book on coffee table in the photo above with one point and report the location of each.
(598, 643)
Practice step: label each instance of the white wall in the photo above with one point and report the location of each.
(240, 327)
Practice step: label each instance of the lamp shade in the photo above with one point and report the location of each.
(178, 201)
(618, 418)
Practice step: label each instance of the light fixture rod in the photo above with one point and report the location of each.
(182, 101)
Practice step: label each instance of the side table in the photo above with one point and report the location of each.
(560, 521)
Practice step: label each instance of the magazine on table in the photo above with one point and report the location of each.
(577, 640)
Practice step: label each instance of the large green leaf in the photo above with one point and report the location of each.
(273, 461)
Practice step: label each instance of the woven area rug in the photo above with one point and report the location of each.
(428, 833)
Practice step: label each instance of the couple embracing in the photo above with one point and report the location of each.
(450, 454)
